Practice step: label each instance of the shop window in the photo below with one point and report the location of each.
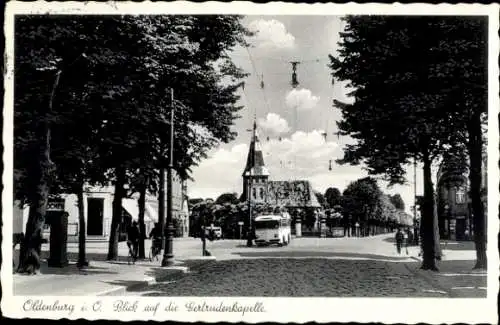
(460, 196)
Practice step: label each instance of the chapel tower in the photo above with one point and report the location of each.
(255, 174)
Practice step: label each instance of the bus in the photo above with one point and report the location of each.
(273, 229)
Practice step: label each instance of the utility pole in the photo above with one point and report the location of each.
(168, 256)
(161, 203)
(415, 238)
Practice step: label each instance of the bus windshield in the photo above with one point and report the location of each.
(267, 224)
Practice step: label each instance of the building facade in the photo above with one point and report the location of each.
(453, 200)
(297, 195)
(98, 203)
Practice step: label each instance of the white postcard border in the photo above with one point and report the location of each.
(387, 310)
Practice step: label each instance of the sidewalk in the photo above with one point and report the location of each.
(456, 275)
(104, 277)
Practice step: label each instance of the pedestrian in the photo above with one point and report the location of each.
(133, 235)
(399, 240)
(406, 240)
(156, 238)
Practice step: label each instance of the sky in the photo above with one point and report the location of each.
(290, 121)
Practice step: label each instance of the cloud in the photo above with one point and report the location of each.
(302, 99)
(274, 123)
(301, 156)
(219, 173)
(271, 34)
(304, 155)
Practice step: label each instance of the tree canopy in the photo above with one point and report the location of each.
(333, 196)
(397, 201)
(360, 199)
(231, 198)
(94, 95)
(413, 80)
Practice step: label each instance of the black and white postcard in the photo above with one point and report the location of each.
(242, 162)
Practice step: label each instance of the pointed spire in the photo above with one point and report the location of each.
(255, 159)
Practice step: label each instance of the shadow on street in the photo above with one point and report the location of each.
(319, 254)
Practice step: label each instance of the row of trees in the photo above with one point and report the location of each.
(333, 197)
(419, 86)
(364, 202)
(92, 105)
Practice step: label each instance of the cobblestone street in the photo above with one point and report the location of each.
(346, 267)
(300, 278)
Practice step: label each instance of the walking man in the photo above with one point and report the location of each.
(406, 240)
(133, 239)
(399, 240)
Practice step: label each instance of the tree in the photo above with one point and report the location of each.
(360, 201)
(321, 199)
(194, 202)
(41, 78)
(224, 198)
(397, 201)
(332, 197)
(406, 99)
(465, 77)
(131, 61)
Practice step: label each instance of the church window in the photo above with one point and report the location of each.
(460, 196)
(254, 193)
(262, 193)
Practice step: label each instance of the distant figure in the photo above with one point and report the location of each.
(406, 240)
(155, 236)
(357, 229)
(133, 239)
(399, 240)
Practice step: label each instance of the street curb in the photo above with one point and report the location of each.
(176, 272)
(431, 281)
(418, 259)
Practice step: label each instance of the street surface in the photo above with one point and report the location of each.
(328, 267)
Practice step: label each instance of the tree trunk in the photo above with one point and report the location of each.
(437, 238)
(428, 220)
(82, 259)
(142, 226)
(29, 259)
(475, 145)
(117, 213)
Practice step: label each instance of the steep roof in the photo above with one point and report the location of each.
(255, 160)
(292, 194)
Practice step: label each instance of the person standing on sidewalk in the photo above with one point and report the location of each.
(406, 240)
(155, 236)
(133, 239)
(399, 240)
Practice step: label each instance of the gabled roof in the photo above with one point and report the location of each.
(292, 194)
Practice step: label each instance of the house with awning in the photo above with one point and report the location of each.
(98, 207)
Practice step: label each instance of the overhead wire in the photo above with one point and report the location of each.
(262, 84)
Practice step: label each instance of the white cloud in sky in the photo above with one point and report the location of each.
(271, 34)
(274, 123)
(300, 156)
(302, 99)
(304, 155)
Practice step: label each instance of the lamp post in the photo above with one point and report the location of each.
(252, 164)
(168, 256)
(415, 234)
(249, 234)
